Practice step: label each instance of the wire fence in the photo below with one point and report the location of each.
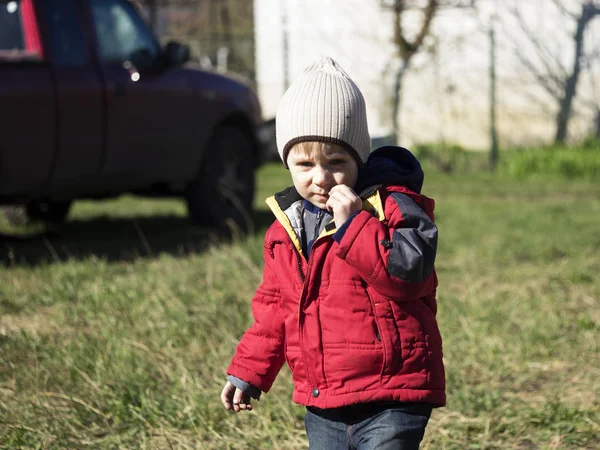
(220, 33)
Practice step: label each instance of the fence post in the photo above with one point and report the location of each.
(493, 131)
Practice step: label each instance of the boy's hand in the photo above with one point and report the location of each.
(343, 202)
(235, 399)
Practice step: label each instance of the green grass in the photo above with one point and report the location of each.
(116, 329)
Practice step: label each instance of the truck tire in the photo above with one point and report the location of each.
(223, 190)
(55, 212)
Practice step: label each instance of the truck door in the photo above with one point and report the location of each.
(149, 114)
(27, 104)
(79, 94)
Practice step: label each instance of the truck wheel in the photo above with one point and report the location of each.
(223, 189)
(55, 212)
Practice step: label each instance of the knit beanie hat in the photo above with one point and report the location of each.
(323, 105)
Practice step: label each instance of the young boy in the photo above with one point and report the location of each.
(348, 296)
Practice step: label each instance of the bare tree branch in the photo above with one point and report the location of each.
(588, 60)
(563, 9)
(559, 81)
(411, 6)
(406, 48)
(543, 106)
(551, 62)
(550, 84)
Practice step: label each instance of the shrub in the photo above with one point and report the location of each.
(566, 162)
(449, 158)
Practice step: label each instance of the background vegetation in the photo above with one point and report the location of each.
(116, 328)
(549, 162)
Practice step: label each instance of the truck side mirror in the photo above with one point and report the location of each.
(176, 54)
(142, 59)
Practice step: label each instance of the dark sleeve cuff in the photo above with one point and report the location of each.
(248, 389)
(339, 234)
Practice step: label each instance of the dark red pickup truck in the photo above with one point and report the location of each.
(91, 106)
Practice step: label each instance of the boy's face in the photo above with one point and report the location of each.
(317, 167)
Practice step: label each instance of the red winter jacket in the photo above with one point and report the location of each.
(356, 322)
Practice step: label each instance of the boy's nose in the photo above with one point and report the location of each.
(321, 176)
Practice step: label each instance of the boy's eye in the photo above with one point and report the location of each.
(337, 162)
(304, 163)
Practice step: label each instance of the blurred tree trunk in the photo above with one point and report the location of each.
(588, 11)
(405, 50)
(493, 129)
(597, 136)
(398, 79)
(226, 21)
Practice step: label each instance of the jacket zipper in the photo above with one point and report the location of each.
(377, 332)
(301, 340)
(298, 261)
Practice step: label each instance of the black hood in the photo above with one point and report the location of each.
(391, 165)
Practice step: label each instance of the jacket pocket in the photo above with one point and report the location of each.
(431, 331)
(389, 335)
(433, 346)
(291, 364)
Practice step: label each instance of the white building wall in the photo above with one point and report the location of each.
(446, 93)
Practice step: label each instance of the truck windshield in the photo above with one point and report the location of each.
(11, 26)
(121, 33)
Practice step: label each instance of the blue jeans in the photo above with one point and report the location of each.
(397, 427)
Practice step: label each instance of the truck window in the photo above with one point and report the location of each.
(121, 33)
(11, 27)
(19, 35)
(64, 32)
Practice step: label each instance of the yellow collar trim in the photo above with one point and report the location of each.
(372, 204)
(284, 221)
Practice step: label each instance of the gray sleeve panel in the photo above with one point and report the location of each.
(242, 385)
(413, 247)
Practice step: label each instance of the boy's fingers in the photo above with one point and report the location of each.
(245, 403)
(336, 199)
(344, 190)
(226, 395)
(339, 187)
(344, 197)
(237, 396)
(237, 400)
(339, 193)
(241, 401)
(248, 402)
(344, 203)
(353, 200)
(329, 204)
